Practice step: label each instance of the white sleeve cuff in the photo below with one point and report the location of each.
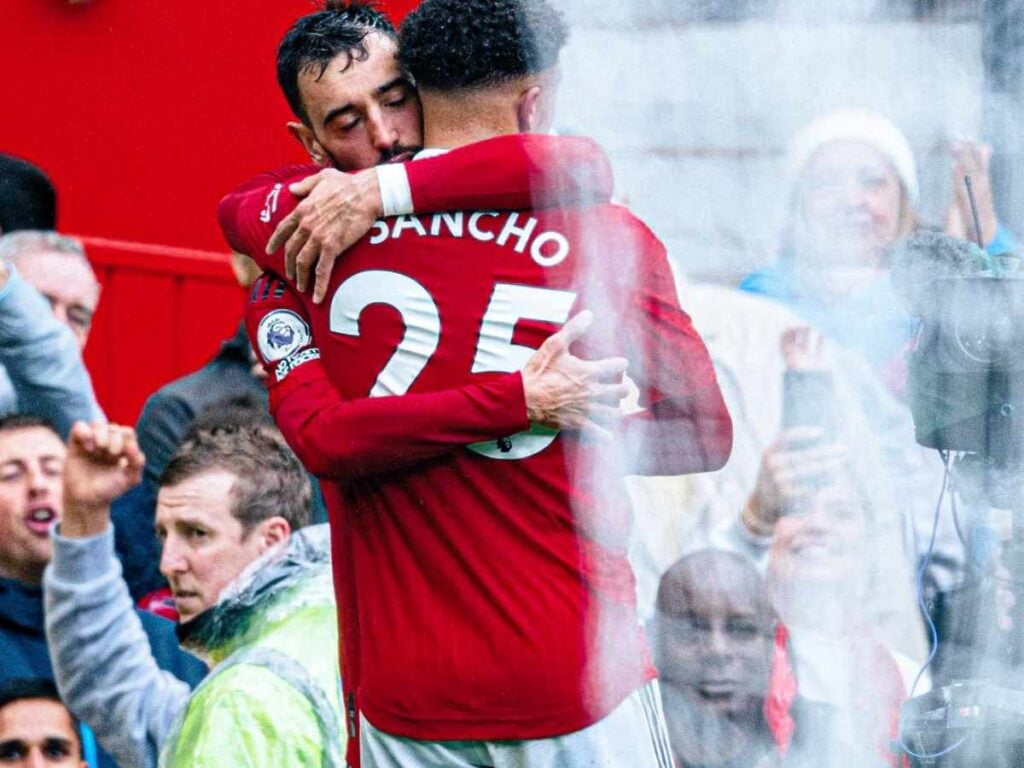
(395, 193)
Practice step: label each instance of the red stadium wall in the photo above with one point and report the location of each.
(162, 313)
(144, 113)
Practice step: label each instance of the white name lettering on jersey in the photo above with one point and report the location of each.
(547, 249)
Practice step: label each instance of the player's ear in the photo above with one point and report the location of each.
(304, 135)
(528, 109)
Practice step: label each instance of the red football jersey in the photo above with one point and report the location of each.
(365, 436)
(486, 592)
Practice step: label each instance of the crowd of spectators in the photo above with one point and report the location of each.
(782, 593)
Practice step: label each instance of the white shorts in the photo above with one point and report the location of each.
(632, 736)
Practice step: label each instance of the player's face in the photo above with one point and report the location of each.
(68, 284)
(31, 493)
(361, 113)
(37, 733)
(715, 641)
(852, 204)
(204, 545)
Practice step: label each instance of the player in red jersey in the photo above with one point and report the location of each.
(496, 603)
(352, 47)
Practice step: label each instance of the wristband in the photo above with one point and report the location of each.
(395, 193)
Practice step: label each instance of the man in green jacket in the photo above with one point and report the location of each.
(252, 585)
(228, 503)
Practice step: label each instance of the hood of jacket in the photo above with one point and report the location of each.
(266, 593)
(21, 605)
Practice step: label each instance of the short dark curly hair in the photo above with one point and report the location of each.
(450, 45)
(315, 40)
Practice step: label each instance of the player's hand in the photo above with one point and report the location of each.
(103, 462)
(337, 210)
(566, 392)
(793, 469)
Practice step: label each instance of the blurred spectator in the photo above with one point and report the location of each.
(254, 594)
(838, 428)
(31, 500)
(765, 472)
(36, 729)
(42, 370)
(713, 640)
(854, 192)
(57, 267)
(854, 189)
(27, 197)
(851, 683)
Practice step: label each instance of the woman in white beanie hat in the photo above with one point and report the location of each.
(854, 190)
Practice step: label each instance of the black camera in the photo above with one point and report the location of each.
(967, 367)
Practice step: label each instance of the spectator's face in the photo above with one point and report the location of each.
(362, 115)
(823, 545)
(714, 637)
(31, 490)
(68, 284)
(37, 733)
(852, 204)
(204, 545)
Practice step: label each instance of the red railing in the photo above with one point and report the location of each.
(163, 313)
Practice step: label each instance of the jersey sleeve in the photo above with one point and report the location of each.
(346, 439)
(249, 215)
(685, 426)
(522, 171)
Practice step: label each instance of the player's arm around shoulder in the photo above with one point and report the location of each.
(248, 717)
(249, 214)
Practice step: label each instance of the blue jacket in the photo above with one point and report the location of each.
(23, 651)
(871, 322)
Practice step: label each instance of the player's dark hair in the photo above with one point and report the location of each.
(27, 197)
(449, 45)
(25, 421)
(25, 688)
(269, 480)
(315, 40)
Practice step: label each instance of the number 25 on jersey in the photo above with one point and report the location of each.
(495, 351)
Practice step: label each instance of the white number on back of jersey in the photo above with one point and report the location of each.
(419, 314)
(495, 351)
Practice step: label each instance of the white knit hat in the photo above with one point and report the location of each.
(862, 127)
